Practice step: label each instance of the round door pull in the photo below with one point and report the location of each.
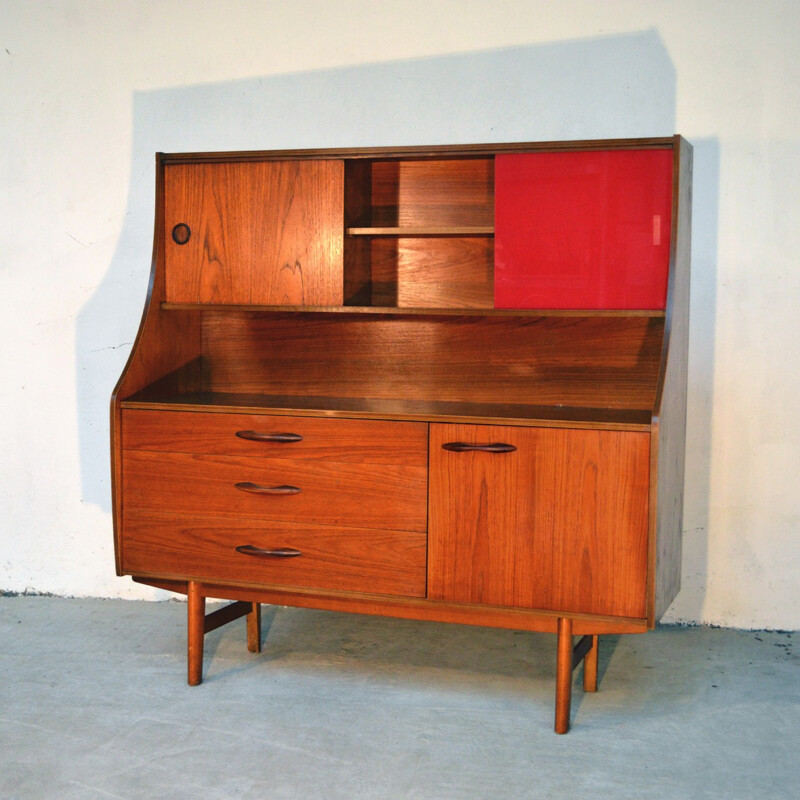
(181, 233)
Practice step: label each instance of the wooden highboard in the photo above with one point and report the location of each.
(440, 383)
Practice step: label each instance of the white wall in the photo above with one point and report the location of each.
(91, 89)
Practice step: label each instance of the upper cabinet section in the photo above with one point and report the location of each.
(559, 227)
(254, 232)
(583, 230)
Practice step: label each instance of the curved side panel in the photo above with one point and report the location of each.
(166, 342)
(669, 416)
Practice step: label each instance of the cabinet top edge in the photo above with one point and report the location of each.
(431, 151)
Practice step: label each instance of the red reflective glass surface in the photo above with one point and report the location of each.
(587, 229)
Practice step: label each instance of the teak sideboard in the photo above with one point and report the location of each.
(440, 383)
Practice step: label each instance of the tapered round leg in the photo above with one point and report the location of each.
(197, 616)
(563, 675)
(254, 629)
(590, 666)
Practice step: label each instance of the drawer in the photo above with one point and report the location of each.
(279, 489)
(347, 559)
(308, 438)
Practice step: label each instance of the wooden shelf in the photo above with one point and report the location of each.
(481, 312)
(424, 230)
(396, 409)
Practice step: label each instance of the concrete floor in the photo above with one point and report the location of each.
(94, 704)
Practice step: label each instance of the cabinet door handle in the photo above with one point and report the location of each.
(256, 436)
(494, 447)
(276, 552)
(255, 488)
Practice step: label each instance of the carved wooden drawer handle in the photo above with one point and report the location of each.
(277, 552)
(494, 447)
(256, 436)
(255, 488)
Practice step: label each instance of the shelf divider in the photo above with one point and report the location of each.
(423, 230)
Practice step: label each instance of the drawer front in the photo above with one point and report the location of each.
(544, 518)
(311, 492)
(346, 559)
(262, 435)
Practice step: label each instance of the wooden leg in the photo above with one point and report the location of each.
(563, 675)
(254, 629)
(197, 618)
(590, 666)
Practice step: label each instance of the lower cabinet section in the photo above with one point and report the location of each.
(544, 518)
(548, 519)
(279, 554)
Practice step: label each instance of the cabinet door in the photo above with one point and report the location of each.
(263, 233)
(560, 523)
(588, 229)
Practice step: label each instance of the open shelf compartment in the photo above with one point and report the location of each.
(417, 366)
(419, 233)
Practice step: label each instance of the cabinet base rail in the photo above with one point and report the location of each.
(568, 657)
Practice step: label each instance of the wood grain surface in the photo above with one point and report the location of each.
(267, 232)
(571, 361)
(452, 192)
(400, 409)
(340, 558)
(332, 493)
(433, 271)
(343, 440)
(561, 523)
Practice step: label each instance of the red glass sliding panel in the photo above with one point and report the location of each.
(583, 230)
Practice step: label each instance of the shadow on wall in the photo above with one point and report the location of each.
(617, 86)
